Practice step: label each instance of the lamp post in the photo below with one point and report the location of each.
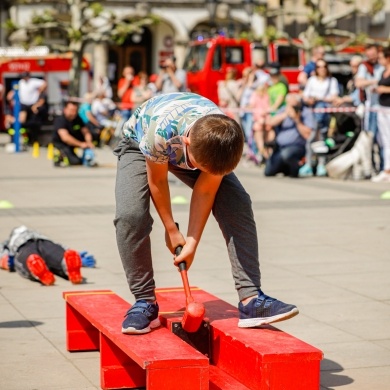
(211, 6)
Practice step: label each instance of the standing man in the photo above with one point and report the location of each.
(171, 79)
(368, 75)
(32, 103)
(30, 94)
(70, 132)
(125, 91)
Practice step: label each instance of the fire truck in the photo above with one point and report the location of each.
(208, 59)
(53, 68)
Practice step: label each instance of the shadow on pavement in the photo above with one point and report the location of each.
(20, 324)
(331, 375)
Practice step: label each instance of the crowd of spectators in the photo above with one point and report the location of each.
(281, 129)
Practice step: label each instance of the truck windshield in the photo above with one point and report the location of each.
(288, 56)
(196, 58)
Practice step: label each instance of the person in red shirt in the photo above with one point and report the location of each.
(125, 91)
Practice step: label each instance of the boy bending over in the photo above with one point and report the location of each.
(187, 135)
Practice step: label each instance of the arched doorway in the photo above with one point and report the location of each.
(136, 51)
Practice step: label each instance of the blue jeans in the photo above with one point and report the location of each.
(285, 160)
(371, 124)
(126, 114)
(247, 126)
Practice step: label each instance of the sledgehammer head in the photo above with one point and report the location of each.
(193, 317)
(194, 313)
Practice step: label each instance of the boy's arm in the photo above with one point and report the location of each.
(202, 201)
(159, 191)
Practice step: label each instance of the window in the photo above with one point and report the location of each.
(234, 55)
(288, 56)
(217, 58)
(196, 58)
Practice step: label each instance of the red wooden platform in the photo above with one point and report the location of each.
(260, 359)
(157, 360)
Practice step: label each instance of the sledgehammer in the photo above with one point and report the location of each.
(194, 313)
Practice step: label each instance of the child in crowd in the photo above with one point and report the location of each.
(260, 103)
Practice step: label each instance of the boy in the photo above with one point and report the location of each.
(189, 136)
(37, 258)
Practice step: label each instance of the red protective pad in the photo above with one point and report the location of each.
(260, 359)
(94, 321)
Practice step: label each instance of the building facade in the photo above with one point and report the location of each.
(183, 21)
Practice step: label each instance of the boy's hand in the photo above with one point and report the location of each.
(187, 255)
(173, 240)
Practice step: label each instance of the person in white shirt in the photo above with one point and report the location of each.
(30, 95)
(33, 105)
(321, 90)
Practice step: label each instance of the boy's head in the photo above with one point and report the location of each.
(216, 142)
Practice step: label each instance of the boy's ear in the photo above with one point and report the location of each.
(186, 140)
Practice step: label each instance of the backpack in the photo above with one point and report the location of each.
(370, 70)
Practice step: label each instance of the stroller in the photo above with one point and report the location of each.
(348, 148)
(344, 129)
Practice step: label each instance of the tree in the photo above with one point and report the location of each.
(82, 22)
(320, 27)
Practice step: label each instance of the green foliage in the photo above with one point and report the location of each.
(38, 40)
(261, 10)
(9, 26)
(271, 33)
(377, 6)
(75, 35)
(97, 9)
(361, 39)
(47, 16)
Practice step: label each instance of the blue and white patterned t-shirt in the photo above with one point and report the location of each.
(159, 124)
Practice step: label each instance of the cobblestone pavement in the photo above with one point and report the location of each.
(324, 246)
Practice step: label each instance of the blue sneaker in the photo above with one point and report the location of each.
(321, 170)
(305, 171)
(141, 318)
(264, 310)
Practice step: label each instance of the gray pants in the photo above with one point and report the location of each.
(232, 209)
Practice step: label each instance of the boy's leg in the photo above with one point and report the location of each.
(133, 224)
(133, 221)
(64, 263)
(233, 211)
(53, 254)
(29, 264)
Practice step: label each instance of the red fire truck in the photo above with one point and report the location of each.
(208, 59)
(54, 68)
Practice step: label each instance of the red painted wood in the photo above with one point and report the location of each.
(80, 334)
(219, 380)
(260, 359)
(128, 361)
(116, 369)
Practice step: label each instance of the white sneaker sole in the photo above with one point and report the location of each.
(154, 324)
(256, 322)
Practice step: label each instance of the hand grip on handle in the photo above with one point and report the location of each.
(182, 265)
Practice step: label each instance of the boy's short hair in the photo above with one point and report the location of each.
(217, 142)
